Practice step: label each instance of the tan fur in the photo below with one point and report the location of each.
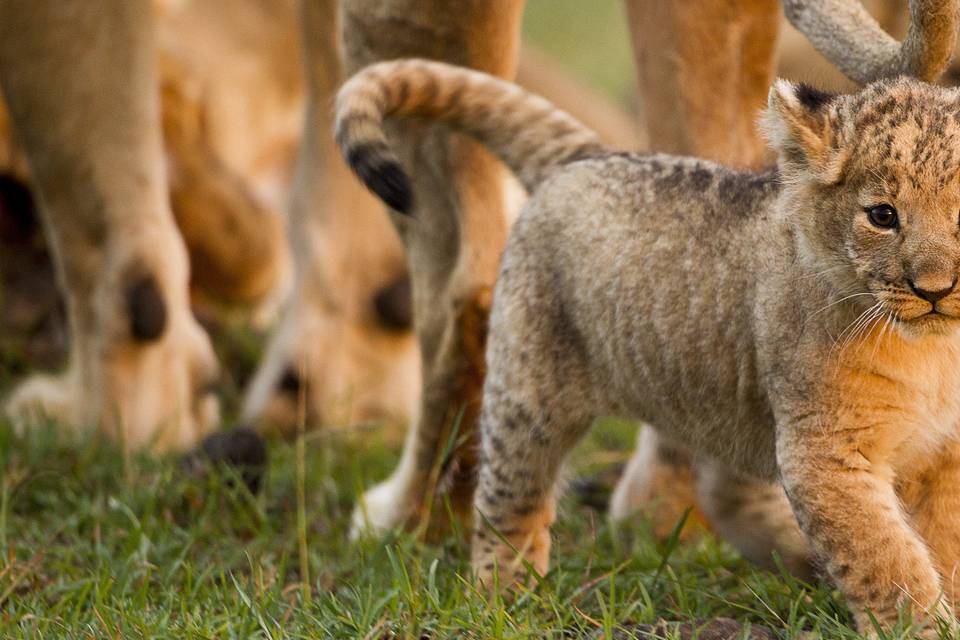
(824, 369)
(139, 363)
(232, 104)
(704, 68)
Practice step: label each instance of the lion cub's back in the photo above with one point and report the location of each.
(652, 261)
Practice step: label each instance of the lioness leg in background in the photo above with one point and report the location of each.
(80, 83)
(453, 258)
(345, 333)
(704, 69)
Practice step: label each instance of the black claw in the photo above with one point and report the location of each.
(289, 382)
(147, 310)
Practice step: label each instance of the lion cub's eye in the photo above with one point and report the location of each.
(883, 216)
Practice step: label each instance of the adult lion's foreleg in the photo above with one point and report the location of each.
(80, 84)
(453, 239)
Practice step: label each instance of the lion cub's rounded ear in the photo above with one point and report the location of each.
(799, 125)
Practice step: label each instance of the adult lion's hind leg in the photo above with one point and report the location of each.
(80, 84)
(658, 485)
(754, 516)
(452, 242)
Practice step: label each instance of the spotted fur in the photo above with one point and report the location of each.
(760, 319)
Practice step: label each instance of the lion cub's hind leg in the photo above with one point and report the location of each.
(536, 406)
(754, 516)
(524, 445)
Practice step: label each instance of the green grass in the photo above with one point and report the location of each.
(95, 544)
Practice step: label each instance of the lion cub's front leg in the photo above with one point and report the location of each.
(932, 497)
(846, 505)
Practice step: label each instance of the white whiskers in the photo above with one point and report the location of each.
(834, 303)
(856, 329)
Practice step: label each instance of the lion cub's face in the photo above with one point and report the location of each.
(873, 182)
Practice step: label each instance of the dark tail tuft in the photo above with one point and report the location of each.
(383, 175)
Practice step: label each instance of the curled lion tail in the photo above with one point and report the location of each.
(531, 135)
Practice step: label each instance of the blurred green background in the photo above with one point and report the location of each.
(590, 38)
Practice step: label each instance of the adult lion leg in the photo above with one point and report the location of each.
(346, 335)
(704, 69)
(80, 84)
(453, 239)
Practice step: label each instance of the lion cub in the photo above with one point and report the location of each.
(799, 326)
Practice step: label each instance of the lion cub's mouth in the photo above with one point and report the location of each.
(934, 321)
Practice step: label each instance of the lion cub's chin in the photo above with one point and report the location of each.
(928, 324)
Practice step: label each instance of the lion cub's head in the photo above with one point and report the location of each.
(872, 188)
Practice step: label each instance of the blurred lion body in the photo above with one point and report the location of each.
(233, 97)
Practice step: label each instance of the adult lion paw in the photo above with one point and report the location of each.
(384, 507)
(140, 369)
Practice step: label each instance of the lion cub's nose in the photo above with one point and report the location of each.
(931, 290)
